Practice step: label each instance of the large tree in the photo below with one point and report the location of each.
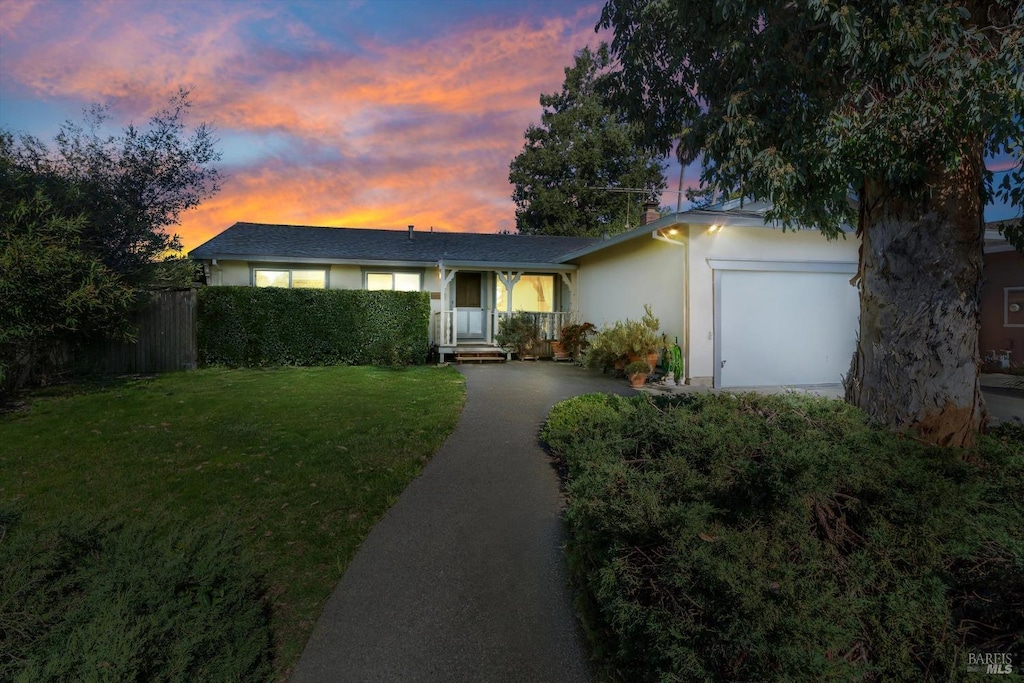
(812, 103)
(84, 227)
(582, 146)
(130, 188)
(52, 291)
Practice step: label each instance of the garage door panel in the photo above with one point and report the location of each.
(785, 327)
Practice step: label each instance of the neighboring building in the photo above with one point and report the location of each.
(1001, 337)
(749, 304)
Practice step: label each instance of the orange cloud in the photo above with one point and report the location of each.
(367, 135)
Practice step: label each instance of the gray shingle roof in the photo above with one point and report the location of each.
(259, 241)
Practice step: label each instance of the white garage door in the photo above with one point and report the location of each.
(782, 327)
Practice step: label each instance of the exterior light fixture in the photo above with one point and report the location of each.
(714, 228)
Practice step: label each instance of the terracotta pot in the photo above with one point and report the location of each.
(637, 380)
(652, 360)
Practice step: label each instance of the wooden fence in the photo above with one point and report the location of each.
(166, 338)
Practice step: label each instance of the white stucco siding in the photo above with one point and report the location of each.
(344, 277)
(615, 283)
(751, 244)
(231, 274)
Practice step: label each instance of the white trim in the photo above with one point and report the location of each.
(539, 266)
(510, 281)
(1006, 306)
(784, 266)
(716, 312)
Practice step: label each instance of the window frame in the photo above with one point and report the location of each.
(289, 270)
(392, 272)
(556, 292)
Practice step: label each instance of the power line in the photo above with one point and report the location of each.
(634, 190)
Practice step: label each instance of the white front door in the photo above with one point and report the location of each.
(783, 327)
(469, 323)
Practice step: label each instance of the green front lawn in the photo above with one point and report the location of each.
(302, 460)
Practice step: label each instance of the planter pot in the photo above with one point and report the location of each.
(652, 360)
(558, 351)
(637, 379)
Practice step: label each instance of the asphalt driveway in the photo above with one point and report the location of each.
(464, 578)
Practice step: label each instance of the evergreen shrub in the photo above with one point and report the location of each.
(268, 326)
(748, 537)
(117, 601)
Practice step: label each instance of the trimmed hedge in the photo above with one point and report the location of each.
(747, 537)
(106, 601)
(257, 326)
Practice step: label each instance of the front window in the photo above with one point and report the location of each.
(399, 282)
(531, 293)
(309, 278)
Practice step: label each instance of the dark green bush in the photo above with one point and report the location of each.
(255, 327)
(725, 537)
(518, 333)
(105, 601)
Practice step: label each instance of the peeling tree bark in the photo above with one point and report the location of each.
(916, 364)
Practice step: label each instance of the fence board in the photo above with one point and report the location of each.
(166, 337)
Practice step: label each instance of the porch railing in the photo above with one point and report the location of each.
(446, 325)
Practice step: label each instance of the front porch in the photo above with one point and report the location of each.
(466, 332)
(474, 301)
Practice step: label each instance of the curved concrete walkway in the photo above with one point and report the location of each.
(464, 578)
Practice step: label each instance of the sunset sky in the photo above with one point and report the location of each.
(374, 113)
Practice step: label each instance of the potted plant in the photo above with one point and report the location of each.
(642, 338)
(609, 348)
(575, 338)
(518, 334)
(637, 373)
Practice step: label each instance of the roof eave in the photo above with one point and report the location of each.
(547, 266)
(726, 219)
(398, 263)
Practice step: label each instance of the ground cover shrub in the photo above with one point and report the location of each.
(107, 600)
(265, 326)
(747, 537)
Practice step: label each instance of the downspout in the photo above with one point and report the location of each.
(656, 234)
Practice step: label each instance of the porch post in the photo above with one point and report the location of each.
(570, 282)
(509, 281)
(446, 315)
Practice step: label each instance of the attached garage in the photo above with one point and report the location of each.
(749, 304)
(783, 323)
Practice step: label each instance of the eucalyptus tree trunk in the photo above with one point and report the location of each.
(916, 364)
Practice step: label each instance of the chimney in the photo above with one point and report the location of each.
(410, 231)
(650, 213)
